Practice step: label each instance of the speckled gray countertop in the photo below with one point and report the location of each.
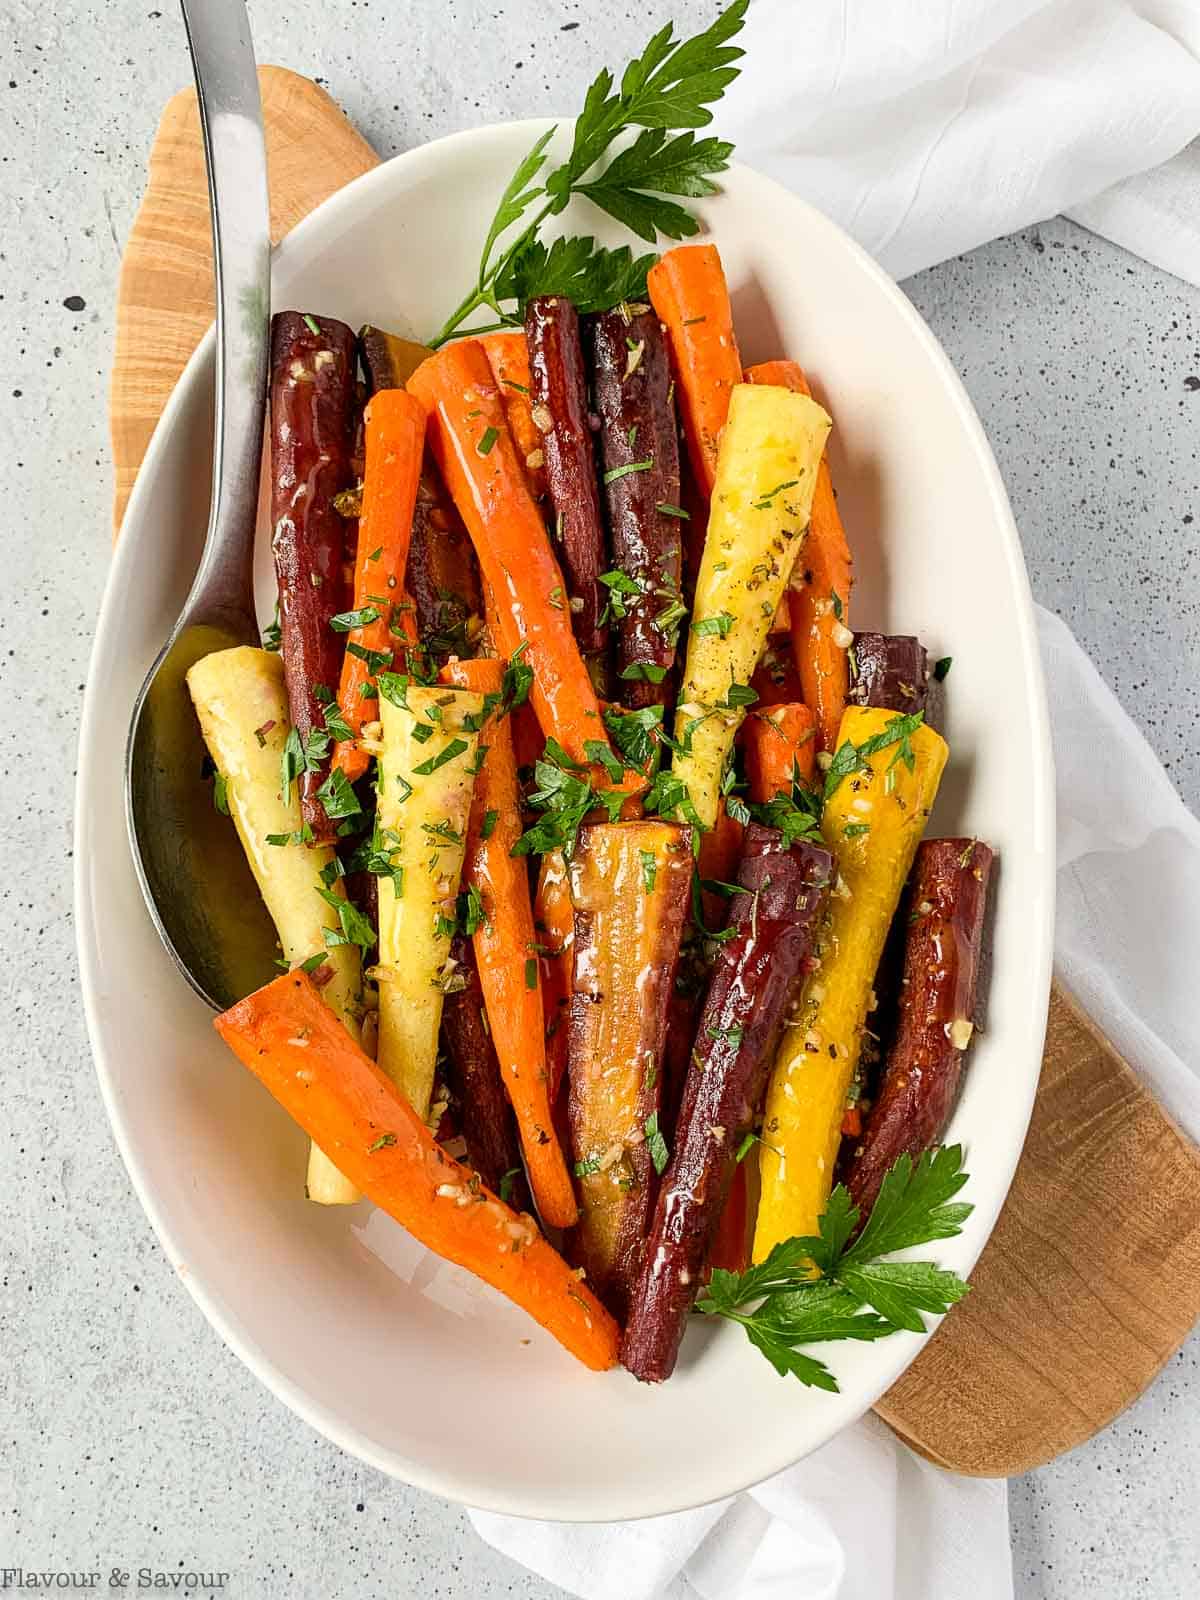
(128, 1434)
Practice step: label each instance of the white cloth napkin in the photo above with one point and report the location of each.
(926, 127)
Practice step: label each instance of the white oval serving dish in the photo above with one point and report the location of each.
(395, 1356)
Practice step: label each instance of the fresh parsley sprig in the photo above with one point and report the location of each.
(816, 1289)
(665, 93)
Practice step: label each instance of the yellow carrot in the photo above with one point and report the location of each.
(873, 821)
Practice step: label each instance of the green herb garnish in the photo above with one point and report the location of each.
(337, 795)
(656, 1144)
(811, 1290)
(714, 626)
(667, 89)
(456, 747)
(362, 618)
(850, 758)
(614, 473)
(649, 869)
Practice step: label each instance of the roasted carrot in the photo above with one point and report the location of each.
(821, 583)
(297, 1048)
(506, 949)
(629, 887)
(482, 1108)
(395, 433)
(778, 744)
(687, 289)
(475, 452)
(312, 443)
(775, 680)
(780, 750)
(561, 412)
(508, 357)
(720, 852)
(730, 1248)
(554, 924)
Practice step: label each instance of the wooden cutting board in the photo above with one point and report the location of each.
(1091, 1280)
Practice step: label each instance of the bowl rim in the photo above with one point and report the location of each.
(1039, 918)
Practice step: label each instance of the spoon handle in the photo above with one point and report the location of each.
(235, 154)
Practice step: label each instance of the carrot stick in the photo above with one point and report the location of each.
(475, 452)
(554, 924)
(506, 950)
(395, 436)
(780, 749)
(294, 1045)
(508, 357)
(775, 680)
(730, 1249)
(778, 740)
(687, 289)
(820, 590)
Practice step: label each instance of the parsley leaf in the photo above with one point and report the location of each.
(337, 795)
(850, 758)
(656, 1144)
(635, 734)
(579, 269)
(354, 927)
(631, 186)
(667, 90)
(717, 625)
(363, 617)
(456, 747)
(817, 1289)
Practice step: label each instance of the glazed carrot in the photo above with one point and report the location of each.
(554, 924)
(821, 583)
(475, 452)
(730, 1249)
(395, 434)
(687, 289)
(629, 886)
(506, 950)
(720, 852)
(777, 741)
(774, 739)
(780, 750)
(508, 357)
(297, 1048)
(775, 680)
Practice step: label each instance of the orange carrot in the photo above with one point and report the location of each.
(775, 680)
(508, 357)
(395, 443)
(292, 1042)
(475, 452)
(554, 924)
(852, 1124)
(820, 589)
(687, 289)
(780, 747)
(506, 950)
(720, 851)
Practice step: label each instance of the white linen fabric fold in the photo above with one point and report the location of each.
(863, 1518)
(926, 127)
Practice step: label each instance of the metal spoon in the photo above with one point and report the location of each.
(198, 886)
